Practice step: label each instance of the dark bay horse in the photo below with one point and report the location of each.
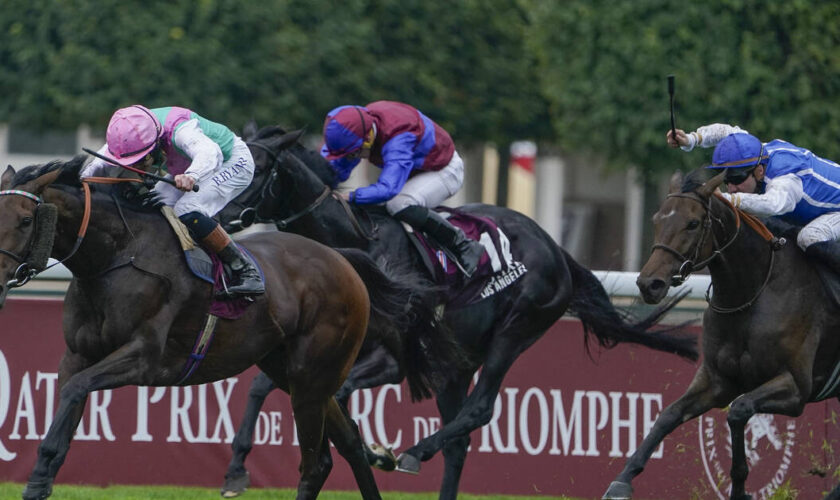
(133, 311)
(770, 333)
(292, 190)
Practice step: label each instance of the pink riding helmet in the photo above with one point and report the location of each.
(132, 133)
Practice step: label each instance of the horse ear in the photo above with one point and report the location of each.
(676, 182)
(37, 186)
(289, 138)
(711, 185)
(249, 131)
(6, 180)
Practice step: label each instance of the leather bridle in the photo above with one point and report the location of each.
(688, 264)
(282, 224)
(25, 272)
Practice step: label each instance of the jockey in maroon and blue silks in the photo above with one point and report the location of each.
(191, 149)
(420, 168)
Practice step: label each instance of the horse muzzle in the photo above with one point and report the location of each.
(652, 289)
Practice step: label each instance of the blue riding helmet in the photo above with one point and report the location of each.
(739, 154)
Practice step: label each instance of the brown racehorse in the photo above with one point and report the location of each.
(133, 311)
(770, 340)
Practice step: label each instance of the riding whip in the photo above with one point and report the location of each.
(135, 170)
(671, 96)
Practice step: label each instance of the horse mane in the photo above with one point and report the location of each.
(316, 163)
(69, 178)
(69, 175)
(311, 158)
(696, 178)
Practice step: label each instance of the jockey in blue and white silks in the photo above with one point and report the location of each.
(775, 178)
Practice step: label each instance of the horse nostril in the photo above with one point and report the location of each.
(657, 285)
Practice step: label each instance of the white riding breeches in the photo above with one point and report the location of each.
(430, 188)
(216, 189)
(826, 227)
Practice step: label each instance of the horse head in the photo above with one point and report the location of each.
(283, 175)
(682, 234)
(27, 224)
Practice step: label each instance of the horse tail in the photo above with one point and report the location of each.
(403, 320)
(610, 326)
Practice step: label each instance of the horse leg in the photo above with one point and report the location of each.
(781, 395)
(236, 478)
(700, 397)
(372, 369)
(344, 433)
(476, 411)
(449, 402)
(118, 369)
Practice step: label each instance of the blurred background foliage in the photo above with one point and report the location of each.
(575, 75)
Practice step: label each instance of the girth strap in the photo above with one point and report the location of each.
(199, 351)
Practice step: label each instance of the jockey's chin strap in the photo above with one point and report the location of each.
(25, 272)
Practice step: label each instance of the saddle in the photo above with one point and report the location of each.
(497, 268)
(209, 268)
(829, 277)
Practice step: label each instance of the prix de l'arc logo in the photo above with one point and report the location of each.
(768, 441)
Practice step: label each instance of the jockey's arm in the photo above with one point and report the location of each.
(780, 197)
(206, 155)
(96, 167)
(397, 158)
(708, 136)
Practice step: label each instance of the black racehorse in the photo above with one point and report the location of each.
(133, 312)
(292, 189)
(770, 342)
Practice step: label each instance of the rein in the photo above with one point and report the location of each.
(25, 272)
(688, 266)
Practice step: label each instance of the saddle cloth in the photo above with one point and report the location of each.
(209, 268)
(497, 268)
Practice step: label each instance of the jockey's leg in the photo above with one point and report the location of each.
(819, 239)
(466, 251)
(430, 189)
(246, 279)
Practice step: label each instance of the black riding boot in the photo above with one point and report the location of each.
(826, 252)
(466, 251)
(246, 280)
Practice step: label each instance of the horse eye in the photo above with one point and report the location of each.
(693, 224)
(26, 221)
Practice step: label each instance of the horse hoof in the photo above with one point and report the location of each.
(618, 491)
(383, 458)
(235, 484)
(37, 491)
(408, 463)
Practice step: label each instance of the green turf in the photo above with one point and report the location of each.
(70, 492)
(9, 491)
